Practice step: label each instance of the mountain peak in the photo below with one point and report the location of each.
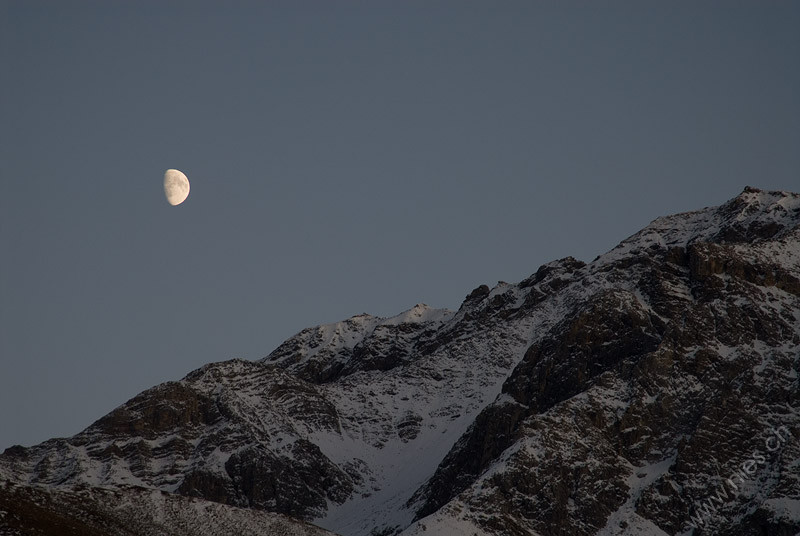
(758, 200)
(418, 314)
(751, 217)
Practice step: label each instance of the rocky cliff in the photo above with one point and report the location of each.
(664, 400)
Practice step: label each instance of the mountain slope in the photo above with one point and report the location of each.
(666, 400)
(131, 511)
(620, 396)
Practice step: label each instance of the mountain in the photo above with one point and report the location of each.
(652, 391)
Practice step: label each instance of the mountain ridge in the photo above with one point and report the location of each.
(532, 409)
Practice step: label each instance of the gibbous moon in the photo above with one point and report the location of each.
(176, 187)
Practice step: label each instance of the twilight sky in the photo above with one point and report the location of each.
(345, 157)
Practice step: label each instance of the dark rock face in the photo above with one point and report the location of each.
(613, 326)
(150, 414)
(263, 481)
(362, 343)
(680, 363)
(131, 511)
(610, 329)
(202, 438)
(493, 431)
(654, 390)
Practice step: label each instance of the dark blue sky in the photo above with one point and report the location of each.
(344, 157)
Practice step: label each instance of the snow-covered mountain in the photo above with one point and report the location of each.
(651, 391)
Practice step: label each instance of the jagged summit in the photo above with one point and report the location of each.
(753, 216)
(362, 342)
(613, 397)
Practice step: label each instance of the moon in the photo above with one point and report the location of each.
(176, 187)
